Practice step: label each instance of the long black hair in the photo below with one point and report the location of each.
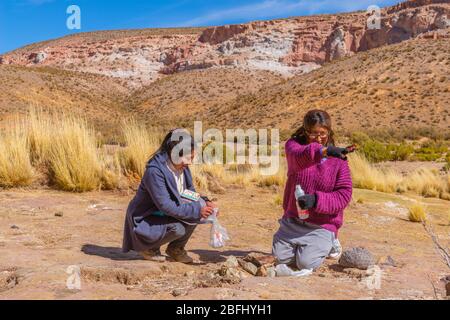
(172, 139)
(311, 119)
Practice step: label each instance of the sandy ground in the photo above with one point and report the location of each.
(43, 232)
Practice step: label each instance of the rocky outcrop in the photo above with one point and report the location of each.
(37, 57)
(414, 4)
(217, 35)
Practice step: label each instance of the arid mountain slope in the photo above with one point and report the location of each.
(406, 84)
(263, 73)
(98, 98)
(288, 46)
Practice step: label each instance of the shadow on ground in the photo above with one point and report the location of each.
(113, 253)
(221, 256)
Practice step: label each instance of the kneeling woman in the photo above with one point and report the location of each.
(321, 169)
(160, 212)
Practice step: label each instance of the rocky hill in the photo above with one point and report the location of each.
(258, 73)
(287, 46)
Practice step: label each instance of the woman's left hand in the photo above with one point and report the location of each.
(212, 205)
(308, 201)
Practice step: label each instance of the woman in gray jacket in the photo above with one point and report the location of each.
(166, 208)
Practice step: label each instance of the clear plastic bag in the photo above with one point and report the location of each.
(218, 234)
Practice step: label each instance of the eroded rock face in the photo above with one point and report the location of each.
(37, 57)
(217, 35)
(288, 46)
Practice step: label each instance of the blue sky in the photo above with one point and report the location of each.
(26, 21)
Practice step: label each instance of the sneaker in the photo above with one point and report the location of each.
(153, 255)
(179, 255)
(336, 250)
(283, 270)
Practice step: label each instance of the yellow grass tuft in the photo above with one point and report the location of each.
(366, 176)
(41, 130)
(73, 160)
(278, 199)
(199, 178)
(111, 171)
(425, 182)
(140, 145)
(417, 213)
(15, 163)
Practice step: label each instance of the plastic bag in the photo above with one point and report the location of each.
(218, 234)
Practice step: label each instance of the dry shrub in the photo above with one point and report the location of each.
(366, 176)
(141, 143)
(15, 163)
(417, 213)
(425, 182)
(67, 146)
(74, 162)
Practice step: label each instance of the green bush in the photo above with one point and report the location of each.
(401, 152)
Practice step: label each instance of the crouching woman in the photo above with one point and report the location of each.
(164, 209)
(303, 241)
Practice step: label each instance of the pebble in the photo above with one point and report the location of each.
(177, 292)
(59, 214)
(271, 273)
(231, 262)
(249, 267)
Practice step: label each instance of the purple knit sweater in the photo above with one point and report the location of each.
(328, 178)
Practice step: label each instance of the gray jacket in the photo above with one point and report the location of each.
(157, 192)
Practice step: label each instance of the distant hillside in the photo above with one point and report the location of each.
(181, 97)
(406, 84)
(98, 98)
(257, 74)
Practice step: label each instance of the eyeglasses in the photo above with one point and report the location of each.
(316, 135)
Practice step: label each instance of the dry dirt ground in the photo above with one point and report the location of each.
(43, 232)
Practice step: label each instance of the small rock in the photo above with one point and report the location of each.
(177, 292)
(359, 258)
(229, 272)
(387, 261)
(231, 262)
(189, 273)
(262, 272)
(8, 279)
(59, 214)
(355, 273)
(260, 259)
(271, 273)
(14, 227)
(248, 266)
(446, 281)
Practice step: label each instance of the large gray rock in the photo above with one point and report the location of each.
(37, 57)
(360, 258)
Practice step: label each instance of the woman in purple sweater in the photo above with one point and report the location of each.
(306, 238)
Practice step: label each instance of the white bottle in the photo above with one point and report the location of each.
(303, 214)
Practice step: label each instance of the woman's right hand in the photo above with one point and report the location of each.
(336, 152)
(206, 211)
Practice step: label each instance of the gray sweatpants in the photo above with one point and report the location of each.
(301, 244)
